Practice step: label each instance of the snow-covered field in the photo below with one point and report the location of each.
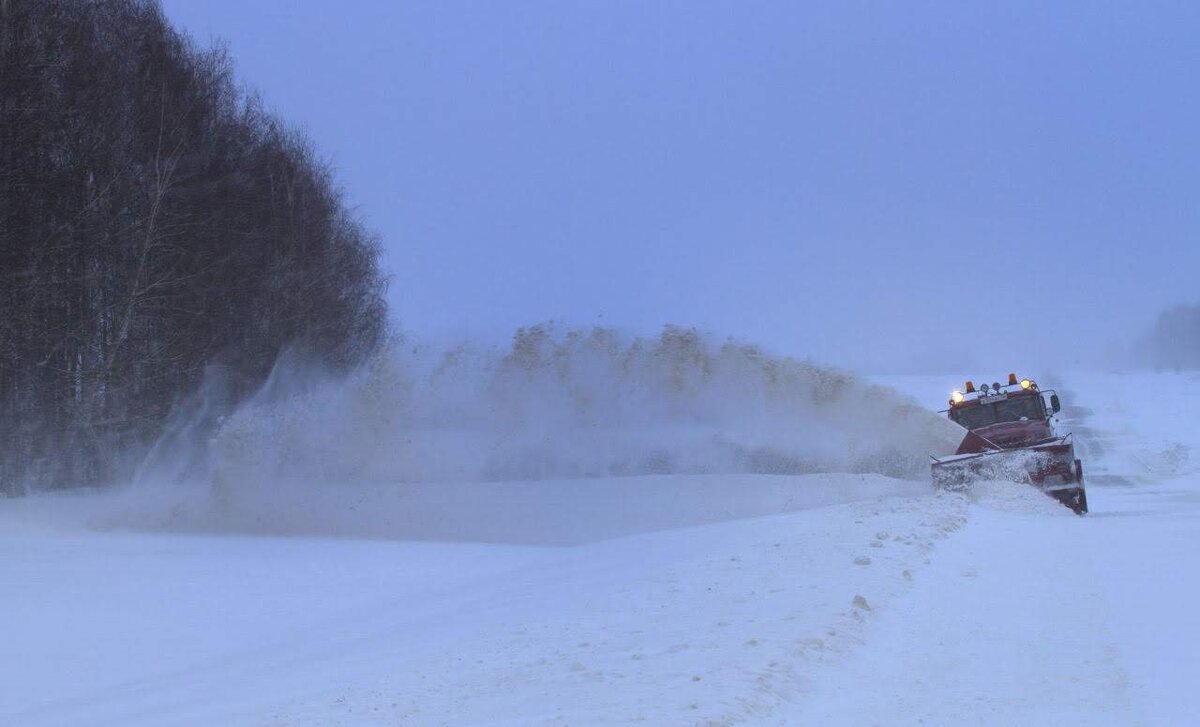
(674, 599)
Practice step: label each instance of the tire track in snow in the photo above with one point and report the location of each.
(1007, 625)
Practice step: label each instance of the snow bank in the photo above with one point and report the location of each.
(1016, 497)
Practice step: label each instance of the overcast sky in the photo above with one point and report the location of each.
(879, 185)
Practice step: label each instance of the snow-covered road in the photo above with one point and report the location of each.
(1008, 624)
(1034, 618)
(817, 599)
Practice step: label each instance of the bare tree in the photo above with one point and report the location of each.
(153, 221)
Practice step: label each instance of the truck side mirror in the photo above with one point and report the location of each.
(1055, 404)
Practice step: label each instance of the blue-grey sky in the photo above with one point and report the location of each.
(881, 185)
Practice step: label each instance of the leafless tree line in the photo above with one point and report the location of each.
(154, 221)
(1174, 342)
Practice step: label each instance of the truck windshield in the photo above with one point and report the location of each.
(1009, 410)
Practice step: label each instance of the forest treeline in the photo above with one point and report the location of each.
(1174, 342)
(155, 222)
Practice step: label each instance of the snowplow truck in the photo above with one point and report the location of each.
(1011, 436)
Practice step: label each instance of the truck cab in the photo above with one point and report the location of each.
(1004, 417)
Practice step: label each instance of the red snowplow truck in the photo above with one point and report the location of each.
(1011, 436)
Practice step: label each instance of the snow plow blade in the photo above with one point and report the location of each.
(1051, 467)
